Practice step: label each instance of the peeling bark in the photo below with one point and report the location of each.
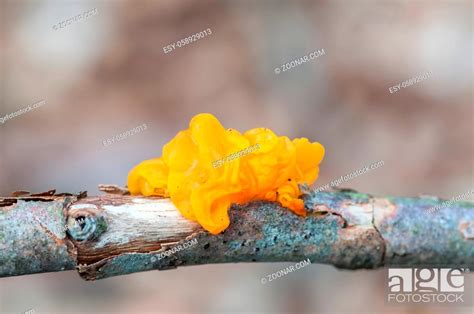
(118, 234)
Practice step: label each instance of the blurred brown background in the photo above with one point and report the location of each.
(105, 74)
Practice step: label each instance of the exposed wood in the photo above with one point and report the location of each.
(121, 224)
(121, 234)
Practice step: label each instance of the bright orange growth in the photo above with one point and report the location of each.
(204, 193)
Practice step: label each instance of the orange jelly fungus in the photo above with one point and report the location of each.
(204, 193)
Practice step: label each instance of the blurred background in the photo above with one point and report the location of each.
(107, 73)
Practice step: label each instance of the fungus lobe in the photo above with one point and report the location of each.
(255, 165)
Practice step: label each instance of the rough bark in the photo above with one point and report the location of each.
(121, 234)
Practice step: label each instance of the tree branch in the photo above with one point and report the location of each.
(114, 235)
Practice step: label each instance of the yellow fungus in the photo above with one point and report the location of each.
(206, 168)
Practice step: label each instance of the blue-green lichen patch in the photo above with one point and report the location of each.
(399, 219)
(33, 237)
(264, 231)
(333, 199)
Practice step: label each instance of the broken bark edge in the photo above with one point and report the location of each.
(346, 229)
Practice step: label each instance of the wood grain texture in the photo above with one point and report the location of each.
(120, 224)
(117, 234)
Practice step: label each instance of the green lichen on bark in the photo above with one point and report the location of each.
(33, 240)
